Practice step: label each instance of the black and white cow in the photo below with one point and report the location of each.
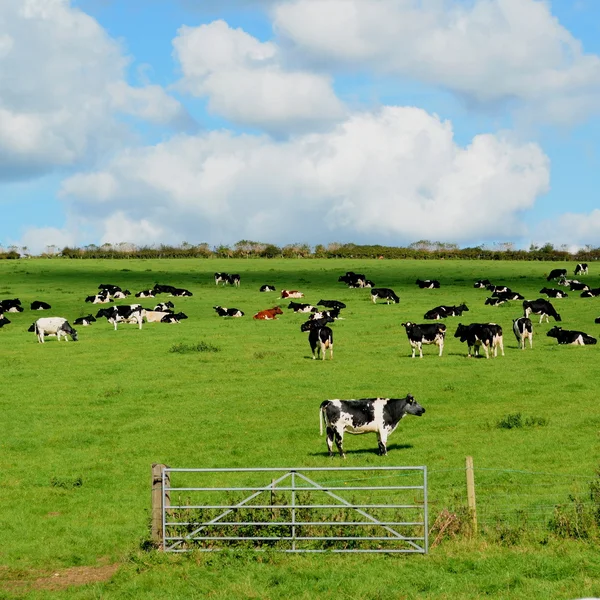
(145, 294)
(332, 314)
(508, 295)
(331, 304)
(578, 286)
(482, 283)
(488, 335)
(385, 294)
(427, 333)
(163, 289)
(11, 306)
(581, 269)
(428, 284)
(556, 274)
(85, 321)
(3, 320)
(102, 297)
(267, 288)
(181, 292)
(320, 337)
(121, 294)
(592, 293)
(597, 320)
(228, 312)
(165, 307)
(109, 287)
(39, 305)
(174, 318)
(575, 338)
(441, 312)
(523, 330)
(354, 280)
(221, 278)
(53, 326)
(133, 313)
(540, 307)
(234, 279)
(368, 415)
(299, 307)
(553, 293)
(494, 301)
(496, 289)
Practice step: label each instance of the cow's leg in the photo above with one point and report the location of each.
(413, 349)
(530, 336)
(374, 298)
(330, 436)
(487, 353)
(501, 342)
(441, 345)
(339, 440)
(420, 346)
(40, 335)
(322, 347)
(382, 441)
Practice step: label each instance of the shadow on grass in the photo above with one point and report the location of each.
(364, 450)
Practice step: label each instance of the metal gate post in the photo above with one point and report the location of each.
(425, 511)
(293, 509)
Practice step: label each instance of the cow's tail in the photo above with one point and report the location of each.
(321, 417)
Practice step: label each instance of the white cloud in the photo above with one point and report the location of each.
(38, 239)
(486, 50)
(245, 81)
(577, 229)
(393, 176)
(62, 81)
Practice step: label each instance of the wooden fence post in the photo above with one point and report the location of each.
(157, 502)
(471, 493)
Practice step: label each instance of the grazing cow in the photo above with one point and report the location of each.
(425, 334)
(488, 335)
(165, 306)
(39, 305)
(575, 338)
(376, 415)
(269, 314)
(267, 288)
(428, 284)
(3, 321)
(11, 306)
(133, 313)
(85, 321)
(441, 312)
(291, 294)
(353, 280)
(581, 269)
(591, 293)
(228, 312)
(553, 293)
(523, 329)
(221, 277)
(298, 307)
(234, 279)
(556, 274)
(320, 337)
(173, 318)
(145, 294)
(577, 286)
(540, 307)
(494, 301)
(385, 294)
(331, 304)
(482, 283)
(53, 326)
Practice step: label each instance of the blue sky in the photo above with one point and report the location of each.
(299, 121)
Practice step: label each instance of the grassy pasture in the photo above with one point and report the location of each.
(83, 422)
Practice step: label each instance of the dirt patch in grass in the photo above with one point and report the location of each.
(60, 579)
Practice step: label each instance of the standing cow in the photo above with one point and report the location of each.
(57, 326)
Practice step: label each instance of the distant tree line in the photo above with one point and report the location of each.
(423, 249)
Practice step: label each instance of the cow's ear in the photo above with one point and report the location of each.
(410, 397)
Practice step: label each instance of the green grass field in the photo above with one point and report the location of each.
(83, 422)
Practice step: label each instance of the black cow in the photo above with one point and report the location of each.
(488, 335)
(482, 283)
(556, 274)
(581, 269)
(426, 333)
(234, 279)
(299, 307)
(428, 284)
(597, 320)
(331, 304)
(441, 312)
(174, 318)
(375, 415)
(523, 329)
(575, 338)
(540, 307)
(228, 312)
(163, 289)
(267, 288)
(320, 337)
(385, 294)
(592, 293)
(3, 321)
(553, 293)
(577, 286)
(39, 305)
(85, 321)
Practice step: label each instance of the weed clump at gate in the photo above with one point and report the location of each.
(516, 421)
(189, 348)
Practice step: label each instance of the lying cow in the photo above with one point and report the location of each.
(85, 321)
(333, 315)
(145, 294)
(428, 284)
(101, 298)
(320, 337)
(353, 280)
(556, 274)
(39, 305)
(385, 294)
(267, 288)
(121, 294)
(3, 321)
(553, 293)
(523, 330)
(228, 312)
(181, 292)
(578, 286)
(540, 307)
(376, 415)
(53, 326)
(331, 304)
(441, 312)
(298, 307)
(575, 338)
(494, 301)
(291, 294)
(269, 314)
(173, 318)
(482, 283)
(165, 306)
(591, 293)
(425, 334)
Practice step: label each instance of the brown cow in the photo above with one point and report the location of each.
(268, 314)
(291, 294)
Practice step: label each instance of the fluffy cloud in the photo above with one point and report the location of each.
(396, 175)
(245, 81)
(486, 50)
(61, 83)
(575, 229)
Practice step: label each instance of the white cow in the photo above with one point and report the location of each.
(57, 326)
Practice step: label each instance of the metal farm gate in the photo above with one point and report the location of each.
(330, 509)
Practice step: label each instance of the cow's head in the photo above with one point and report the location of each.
(460, 330)
(554, 332)
(276, 310)
(413, 407)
